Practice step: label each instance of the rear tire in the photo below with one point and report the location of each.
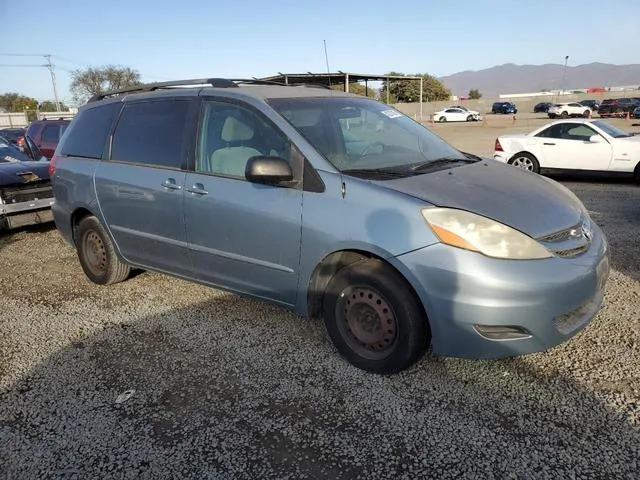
(374, 319)
(97, 254)
(525, 161)
(564, 115)
(470, 118)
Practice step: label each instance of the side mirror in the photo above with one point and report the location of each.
(596, 139)
(268, 170)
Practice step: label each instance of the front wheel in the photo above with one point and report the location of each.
(442, 119)
(586, 113)
(374, 319)
(525, 161)
(97, 254)
(564, 115)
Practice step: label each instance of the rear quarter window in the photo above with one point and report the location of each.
(87, 134)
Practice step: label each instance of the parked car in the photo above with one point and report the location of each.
(590, 145)
(25, 188)
(504, 107)
(636, 112)
(592, 104)
(46, 134)
(542, 107)
(565, 110)
(456, 115)
(405, 243)
(617, 107)
(14, 136)
(462, 107)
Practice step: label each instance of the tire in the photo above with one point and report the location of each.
(586, 113)
(470, 118)
(442, 119)
(564, 115)
(356, 304)
(97, 254)
(636, 173)
(525, 161)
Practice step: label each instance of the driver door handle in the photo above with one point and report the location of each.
(170, 183)
(197, 189)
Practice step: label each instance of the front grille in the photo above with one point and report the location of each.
(562, 235)
(26, 192)
(572, 252)
(571, 241)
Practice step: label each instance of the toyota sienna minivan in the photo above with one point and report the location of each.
(336, 206)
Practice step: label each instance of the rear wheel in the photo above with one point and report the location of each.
(525, 161)
(97, 254)
(374, 319)
(564, 115)
(470, 118)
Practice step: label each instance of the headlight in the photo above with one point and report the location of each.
(467, 230)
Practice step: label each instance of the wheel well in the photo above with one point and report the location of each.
(523, 152)
(76, 217)
(332, 264)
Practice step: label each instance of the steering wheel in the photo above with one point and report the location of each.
(370, 147)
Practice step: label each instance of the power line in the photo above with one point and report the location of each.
(49, 66)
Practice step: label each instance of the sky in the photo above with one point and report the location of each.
(253, 38)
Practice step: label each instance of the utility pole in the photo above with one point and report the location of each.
(50, 66)
(564, 74)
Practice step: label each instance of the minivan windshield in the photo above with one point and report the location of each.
(365, 137)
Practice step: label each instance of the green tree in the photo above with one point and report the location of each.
(49, 106)
(474, 94)
(356, 88)
(409, 90)
(92, 81)
(14, 102)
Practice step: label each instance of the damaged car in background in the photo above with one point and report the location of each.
(25, 188)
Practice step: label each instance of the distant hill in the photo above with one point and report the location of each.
(512, 78)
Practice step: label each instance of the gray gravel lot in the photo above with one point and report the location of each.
(227, 387)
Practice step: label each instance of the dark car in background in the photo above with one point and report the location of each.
(592, 104)
(25, 186)
(14, 136)
(46, 134)
(618, 107)
(542, 107)
(504, 107)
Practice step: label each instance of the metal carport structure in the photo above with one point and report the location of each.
(341, 78)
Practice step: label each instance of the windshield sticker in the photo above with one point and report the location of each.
(391, 113)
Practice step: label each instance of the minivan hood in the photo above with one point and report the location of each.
(523, 200)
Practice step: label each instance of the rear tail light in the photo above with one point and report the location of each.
(498, 147)
(52, 165)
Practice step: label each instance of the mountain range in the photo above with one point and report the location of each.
(512, 78)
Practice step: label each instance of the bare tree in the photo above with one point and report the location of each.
(94, 80)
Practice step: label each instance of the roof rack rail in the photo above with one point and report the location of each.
(148, 87)
(213, 82)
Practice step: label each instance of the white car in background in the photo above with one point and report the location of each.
(591, 145)
(564, 110)
(455, 114)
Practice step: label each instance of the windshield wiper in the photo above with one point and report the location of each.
(439, 163)
(374, 172)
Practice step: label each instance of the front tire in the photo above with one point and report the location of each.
(525, 161)
(442, 119)
(97, 254)
(586, 114)
(564, 115)
(374, 319)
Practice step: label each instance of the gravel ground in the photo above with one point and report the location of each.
(225, 387)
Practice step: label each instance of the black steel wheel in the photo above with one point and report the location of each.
(374, 319)
(97, 254)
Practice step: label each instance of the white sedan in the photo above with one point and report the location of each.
(565, 110)
(580, 144)
(456, 115)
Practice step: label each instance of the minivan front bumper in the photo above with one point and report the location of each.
(481, 307)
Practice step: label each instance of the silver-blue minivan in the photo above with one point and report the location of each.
(334, 205)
